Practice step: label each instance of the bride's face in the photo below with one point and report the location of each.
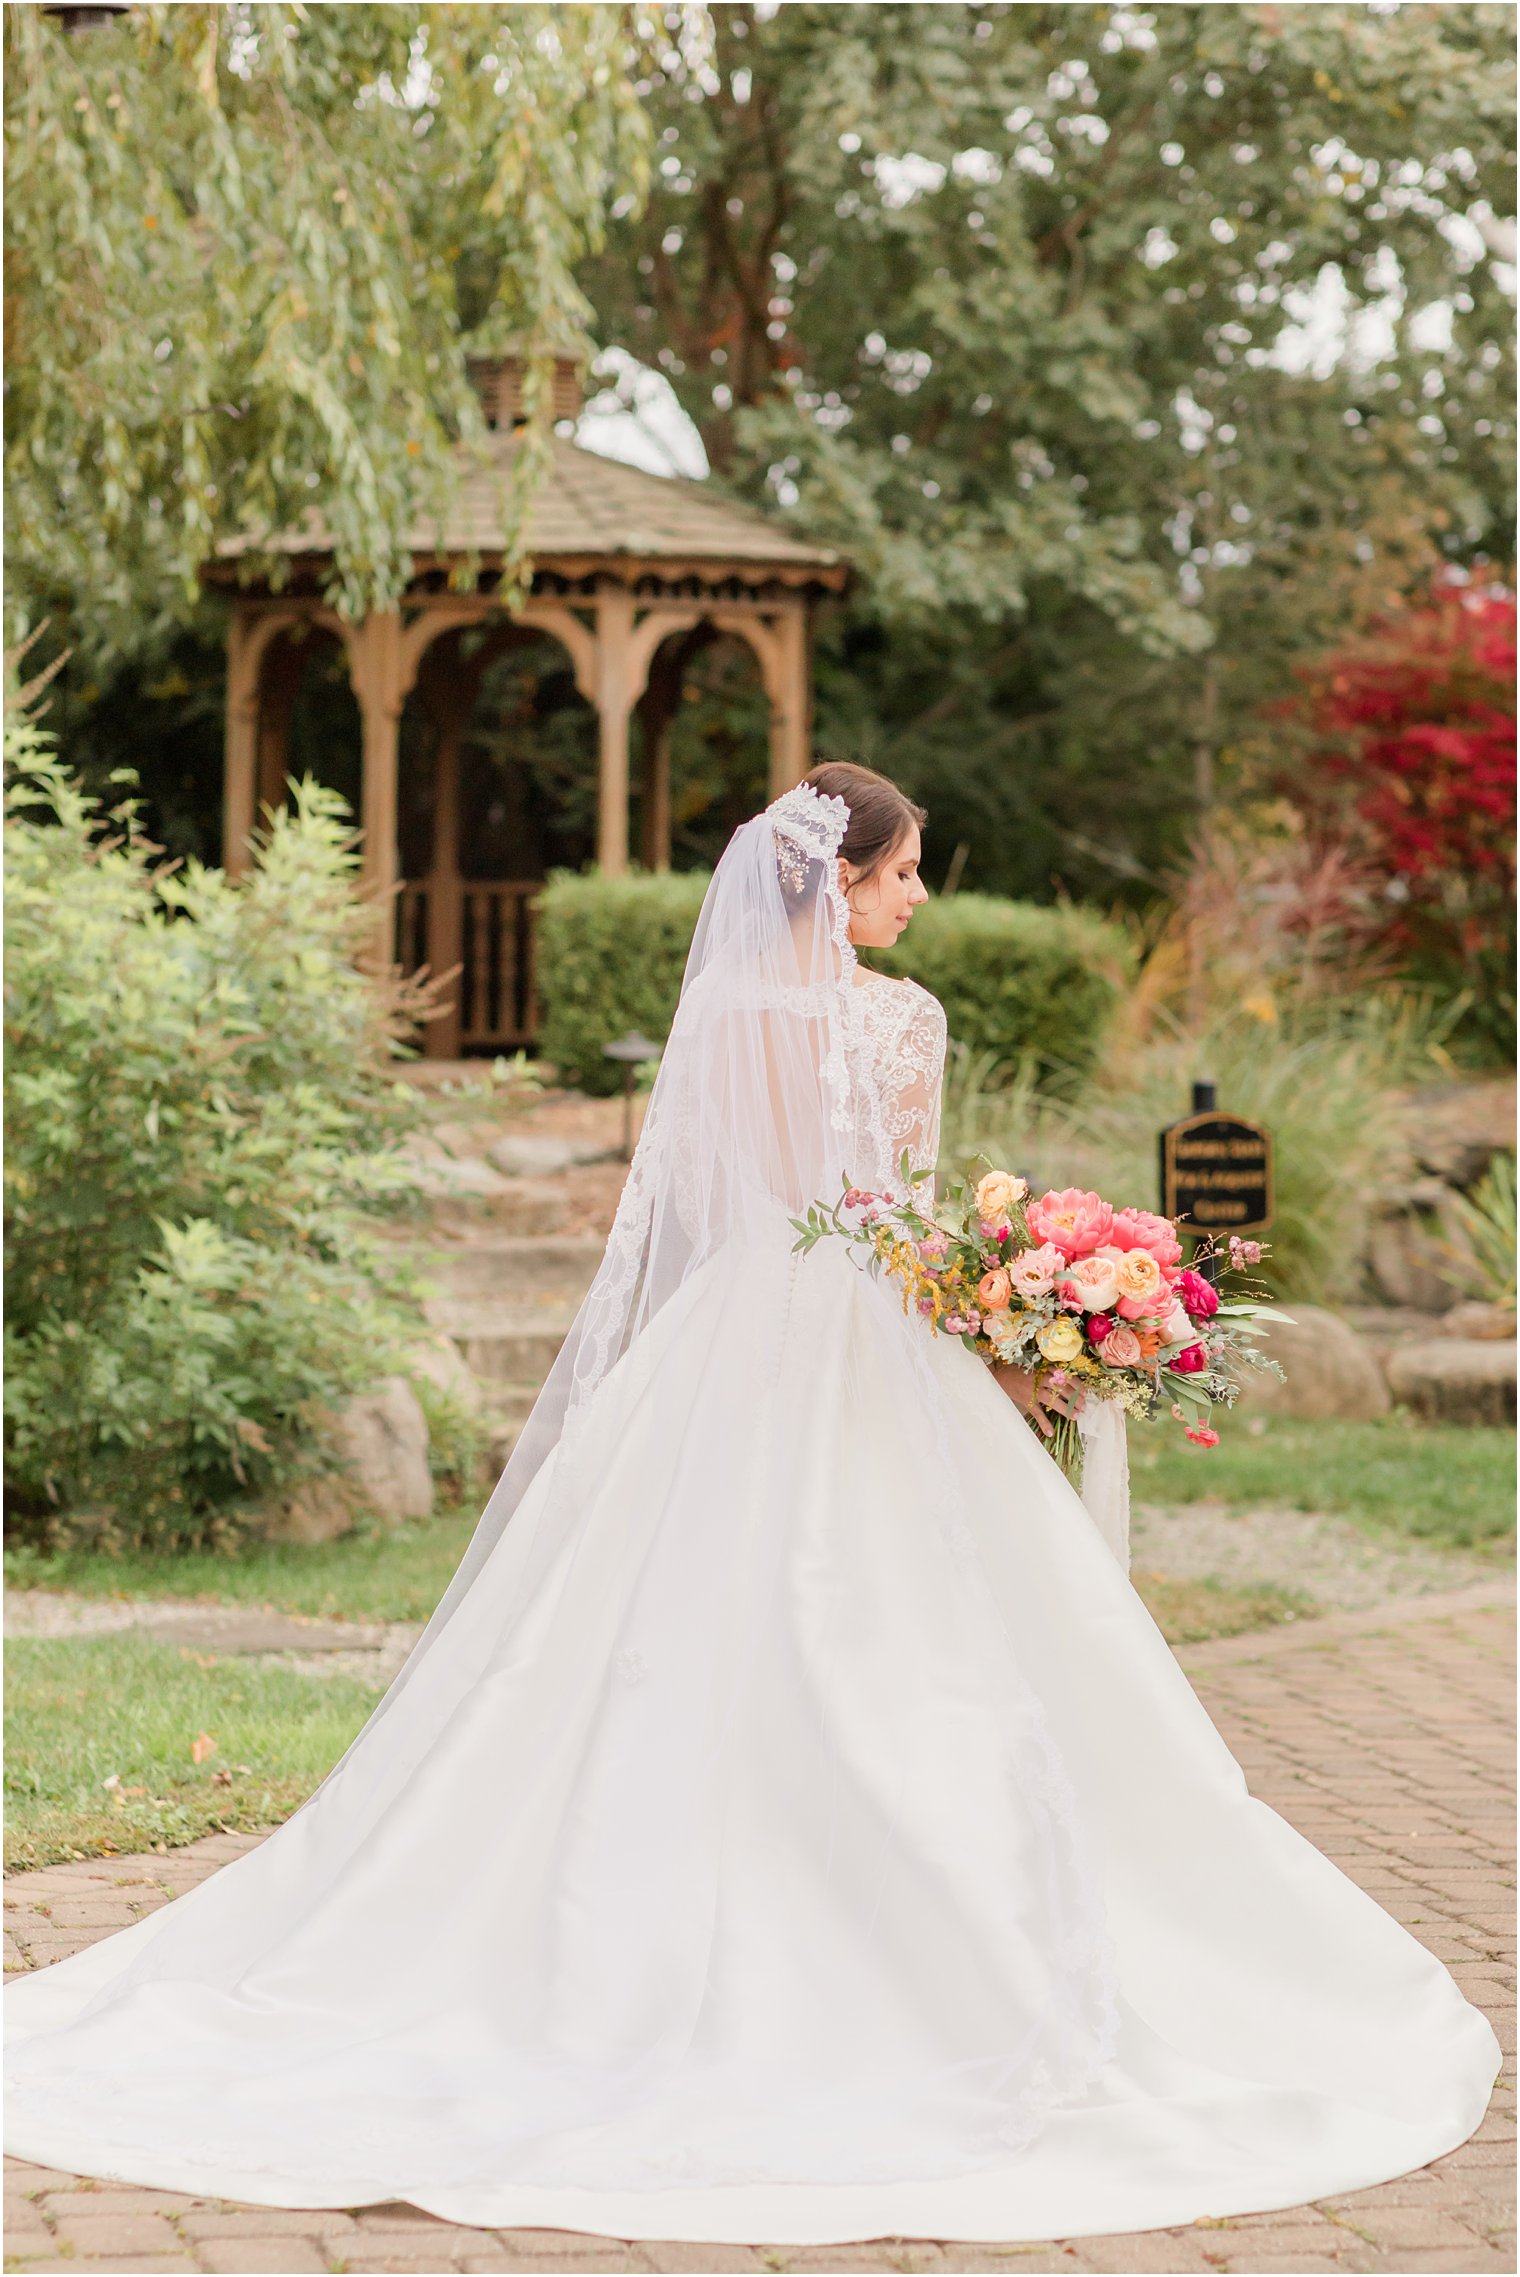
(881, 905)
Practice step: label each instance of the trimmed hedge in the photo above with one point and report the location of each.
(611, 952)
(1016, 980)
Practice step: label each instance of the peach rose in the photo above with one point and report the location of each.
(1138, 1276)
(1120, 1348)
(1096, 1282)
(1033, 1273)
(995, 1288)
(1077, 1222)
(1177, 1328)
(996, 1195)
(1142, 1229)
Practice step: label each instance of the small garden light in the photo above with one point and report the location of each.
(633, 1050)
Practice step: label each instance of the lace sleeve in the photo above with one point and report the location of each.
(903, 1048)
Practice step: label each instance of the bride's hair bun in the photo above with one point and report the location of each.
(880, 815)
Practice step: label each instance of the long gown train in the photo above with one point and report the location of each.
(497, 1969)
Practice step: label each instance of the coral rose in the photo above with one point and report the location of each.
(994, 1289)
(1189, 1362)
(1142, 1229)
(1059, 1339)
(1077, 1222)
(1121, 1348)
(996, 1195)
(1034, 1273)
(1199, 1295)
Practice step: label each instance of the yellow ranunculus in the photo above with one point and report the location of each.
(1060, 1339)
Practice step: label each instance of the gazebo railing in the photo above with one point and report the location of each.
(494, 926)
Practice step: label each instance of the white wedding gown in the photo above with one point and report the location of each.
(796, 1830)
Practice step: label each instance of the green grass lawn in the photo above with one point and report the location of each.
(83, 1710)
(1446, 1485)
(378, 1573)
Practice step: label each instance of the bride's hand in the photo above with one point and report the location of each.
(1037, 1406)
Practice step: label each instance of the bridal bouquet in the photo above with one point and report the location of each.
(1090, 1298)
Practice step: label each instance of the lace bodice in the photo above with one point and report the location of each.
(900, 1058)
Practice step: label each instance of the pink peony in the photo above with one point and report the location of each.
(1142, 1229)
(1121, 1348)
(1099, 1326)
(1201, 1299)
(1202, 1436)
(1076, 1222)
(1189, 1361)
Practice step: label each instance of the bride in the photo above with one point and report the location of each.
(791, 1824)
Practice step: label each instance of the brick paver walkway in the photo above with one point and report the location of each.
(1385, 1736)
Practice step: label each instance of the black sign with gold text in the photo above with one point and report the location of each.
(1216, 1174)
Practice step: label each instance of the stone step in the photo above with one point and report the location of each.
(512, 1344)
(511, 1269)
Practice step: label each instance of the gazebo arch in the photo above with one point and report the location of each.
(623, 564)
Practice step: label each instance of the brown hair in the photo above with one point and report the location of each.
(880, 814)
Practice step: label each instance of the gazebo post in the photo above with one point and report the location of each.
(614, 704)
(375, 668)
(240, 761)
(790, 725)
(450, 695)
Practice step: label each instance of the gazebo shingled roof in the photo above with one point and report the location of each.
(592, 510)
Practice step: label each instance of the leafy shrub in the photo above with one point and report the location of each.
(611, 952)
(200, 1113)
(1025, 983)
(1031, 986)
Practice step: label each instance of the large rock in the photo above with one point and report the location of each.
(1330, 1371)
(442, 1364)
(1481, 1323)
(1455, 1379)
(317, 1509)
(379, 1440)
(523, 1154)
(382, 1440)
(1417, 1247)
(1458, 1128)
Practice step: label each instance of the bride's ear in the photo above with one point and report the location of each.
(845, 880)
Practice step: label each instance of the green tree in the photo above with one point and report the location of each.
(993, 295)
(246, 250)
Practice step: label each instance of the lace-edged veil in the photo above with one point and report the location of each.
(747, 1122)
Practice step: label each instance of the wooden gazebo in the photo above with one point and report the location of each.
(630, 572)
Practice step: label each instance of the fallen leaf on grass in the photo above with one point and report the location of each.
(201, 1746)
